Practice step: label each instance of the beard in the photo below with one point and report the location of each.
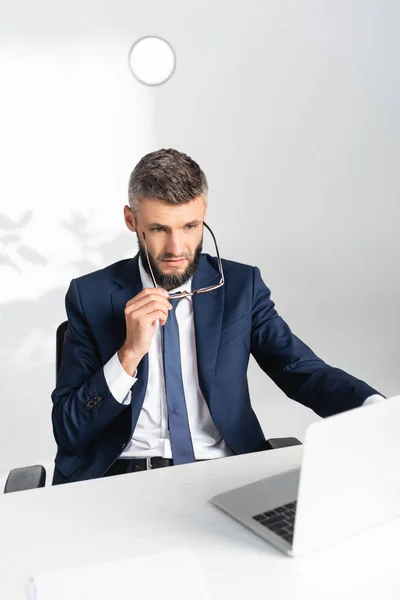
(165, 280)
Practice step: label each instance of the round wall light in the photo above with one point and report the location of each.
(152, 60)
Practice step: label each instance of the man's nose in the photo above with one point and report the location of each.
(174, 245)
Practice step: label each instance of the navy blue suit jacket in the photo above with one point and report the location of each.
(91, 428)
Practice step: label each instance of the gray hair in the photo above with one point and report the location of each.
(166, 175)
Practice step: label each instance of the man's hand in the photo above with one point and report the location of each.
(141, 315)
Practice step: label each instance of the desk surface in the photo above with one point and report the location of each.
(129, 515)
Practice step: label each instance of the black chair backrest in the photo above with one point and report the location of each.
(61, 336)
(25, 478)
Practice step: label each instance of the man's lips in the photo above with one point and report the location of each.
(174, 262)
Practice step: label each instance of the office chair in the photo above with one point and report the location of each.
(27, 478)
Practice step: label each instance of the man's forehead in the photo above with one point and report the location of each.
(162, 211)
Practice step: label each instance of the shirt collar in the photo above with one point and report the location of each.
(147, 281)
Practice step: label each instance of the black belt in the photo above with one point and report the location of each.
(131, 465)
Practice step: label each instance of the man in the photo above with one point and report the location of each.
(154, 370)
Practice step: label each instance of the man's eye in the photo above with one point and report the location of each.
(157, 229)
(191, 226)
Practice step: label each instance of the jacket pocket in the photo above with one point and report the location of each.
(233, 330)
(67, 464)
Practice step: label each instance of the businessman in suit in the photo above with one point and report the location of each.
(154, 370)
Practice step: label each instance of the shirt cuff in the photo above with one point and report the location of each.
(118, 380)
(372, 399)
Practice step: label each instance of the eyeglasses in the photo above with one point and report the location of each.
(201, 290)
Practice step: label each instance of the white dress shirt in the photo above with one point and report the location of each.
(151, 435)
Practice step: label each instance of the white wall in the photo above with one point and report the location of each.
(291, 109)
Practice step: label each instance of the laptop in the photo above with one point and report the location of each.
(349, 481)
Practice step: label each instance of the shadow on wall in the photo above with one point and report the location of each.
(12, 247)
(28, 326)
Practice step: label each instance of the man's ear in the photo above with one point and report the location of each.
(129, 218)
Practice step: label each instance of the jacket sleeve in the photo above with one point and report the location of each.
(294, 367)
(82, 401)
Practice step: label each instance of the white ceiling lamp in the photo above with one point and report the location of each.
(152, 60)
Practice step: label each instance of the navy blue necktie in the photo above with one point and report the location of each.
(179, 431)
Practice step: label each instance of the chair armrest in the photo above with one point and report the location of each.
(274, 443)
(25, 478)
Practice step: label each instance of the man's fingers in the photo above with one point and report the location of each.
(150, 307)
(148, 300)
(146, 294)
(156, 315)
(163, 320)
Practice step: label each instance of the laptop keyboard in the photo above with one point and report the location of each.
(279, 520)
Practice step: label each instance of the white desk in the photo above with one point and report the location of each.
(129, 515)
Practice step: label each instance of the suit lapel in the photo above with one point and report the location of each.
(208, 311)
(130, 284)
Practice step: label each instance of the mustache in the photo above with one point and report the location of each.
(168, 256)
